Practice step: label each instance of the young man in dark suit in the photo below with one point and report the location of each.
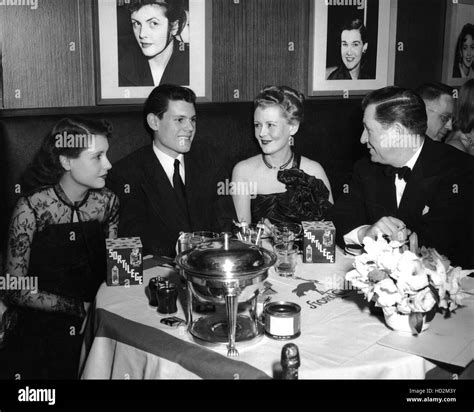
(163, 189)
(409, 182)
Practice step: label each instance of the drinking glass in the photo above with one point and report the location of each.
(286, 233)
(286, 259)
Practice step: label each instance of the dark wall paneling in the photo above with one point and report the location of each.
(37, 59)
(86, 24)
(251, 46)
(420, 26)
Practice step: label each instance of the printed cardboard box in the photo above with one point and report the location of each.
(124, 261)
(319, 242)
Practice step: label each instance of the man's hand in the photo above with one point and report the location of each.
(390, 226)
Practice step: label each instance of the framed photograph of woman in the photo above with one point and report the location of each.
(458, 58)
(351, 50)
(144, 43)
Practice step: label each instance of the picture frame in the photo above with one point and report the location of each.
(341, 62)
(124, 73)
(1, 66)
(459, 23)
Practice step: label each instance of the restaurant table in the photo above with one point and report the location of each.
(340, 337)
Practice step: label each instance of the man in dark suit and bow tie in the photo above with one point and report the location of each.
(409, 182)
(162, 188)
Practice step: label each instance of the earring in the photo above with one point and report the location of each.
(291, 141)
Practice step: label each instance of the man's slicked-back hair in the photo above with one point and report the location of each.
(395, 104)
(159, 98)
(433, 91)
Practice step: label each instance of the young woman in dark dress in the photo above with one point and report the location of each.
(56, 250)
(278, 184)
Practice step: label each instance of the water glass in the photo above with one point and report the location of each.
(286, 232)
(184, 242)
(287, 255)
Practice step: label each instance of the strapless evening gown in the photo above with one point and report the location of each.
(306, 198)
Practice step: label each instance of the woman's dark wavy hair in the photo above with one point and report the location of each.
(290, 101)
(46, 168)
(468, 29)
(175, 10)
(395, 104)
(355, 24)
(465, 107)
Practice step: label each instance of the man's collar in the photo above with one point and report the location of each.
(166, 159)
(414, 158)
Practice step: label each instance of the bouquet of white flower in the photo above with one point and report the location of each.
(406, 283)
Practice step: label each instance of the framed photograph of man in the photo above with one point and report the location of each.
(351, 50)
(459, 42)
(144, 43)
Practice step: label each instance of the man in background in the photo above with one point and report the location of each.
(439, 104)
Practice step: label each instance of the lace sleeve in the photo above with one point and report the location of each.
(20, 238)
(112, 217)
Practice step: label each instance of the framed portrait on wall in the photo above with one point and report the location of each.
(352, 46)
(1, 69)
(459, 43)
(1, 75)
(143, 43)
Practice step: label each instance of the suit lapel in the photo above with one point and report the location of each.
(385, 193)
(161, 194)
(418, 186)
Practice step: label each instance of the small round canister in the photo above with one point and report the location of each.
(282, 320)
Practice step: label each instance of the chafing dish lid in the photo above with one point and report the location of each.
(220, 258)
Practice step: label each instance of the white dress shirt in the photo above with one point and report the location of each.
(352, 237)
(168, 164)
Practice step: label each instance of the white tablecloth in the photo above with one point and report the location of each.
(338, 336)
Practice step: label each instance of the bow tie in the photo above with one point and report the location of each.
(402, 172)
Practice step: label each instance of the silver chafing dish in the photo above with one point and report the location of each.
(225, 272)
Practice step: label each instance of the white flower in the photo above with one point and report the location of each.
(438, 279)
(423, 301)
(405, 305)
(454, 289)
(374, 248)
(362, 265)
(357, 280)
(387, 293)
(389, 260)
(408, 263)
(412, 282)
(403, 282)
